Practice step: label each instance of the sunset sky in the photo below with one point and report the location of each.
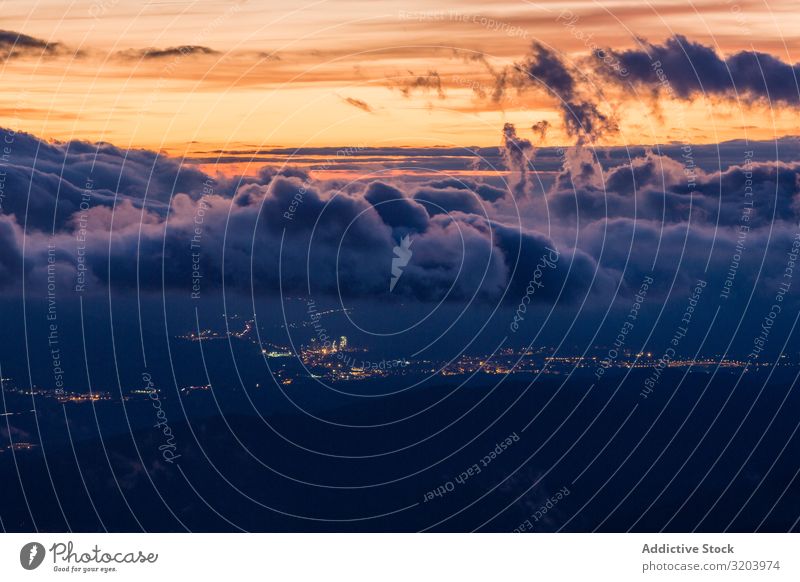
(256, 74)
(576, 222)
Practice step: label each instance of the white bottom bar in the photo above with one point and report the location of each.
(401, 557)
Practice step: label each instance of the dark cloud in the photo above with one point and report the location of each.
(655, 188)
(50, 179)
(174, 51)
(581, 113)
(446, 200)
(691, 69)
(576, 98)
(486, 192)
(136, 227)
(569, 276)
(679, 68)
(395, 209)
(15, 44)
(610, 220)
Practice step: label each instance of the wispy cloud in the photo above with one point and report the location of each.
(358, 103)
(175, 51)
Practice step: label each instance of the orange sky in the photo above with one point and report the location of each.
(330, 73)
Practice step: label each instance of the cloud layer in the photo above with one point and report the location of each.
(136, 220)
